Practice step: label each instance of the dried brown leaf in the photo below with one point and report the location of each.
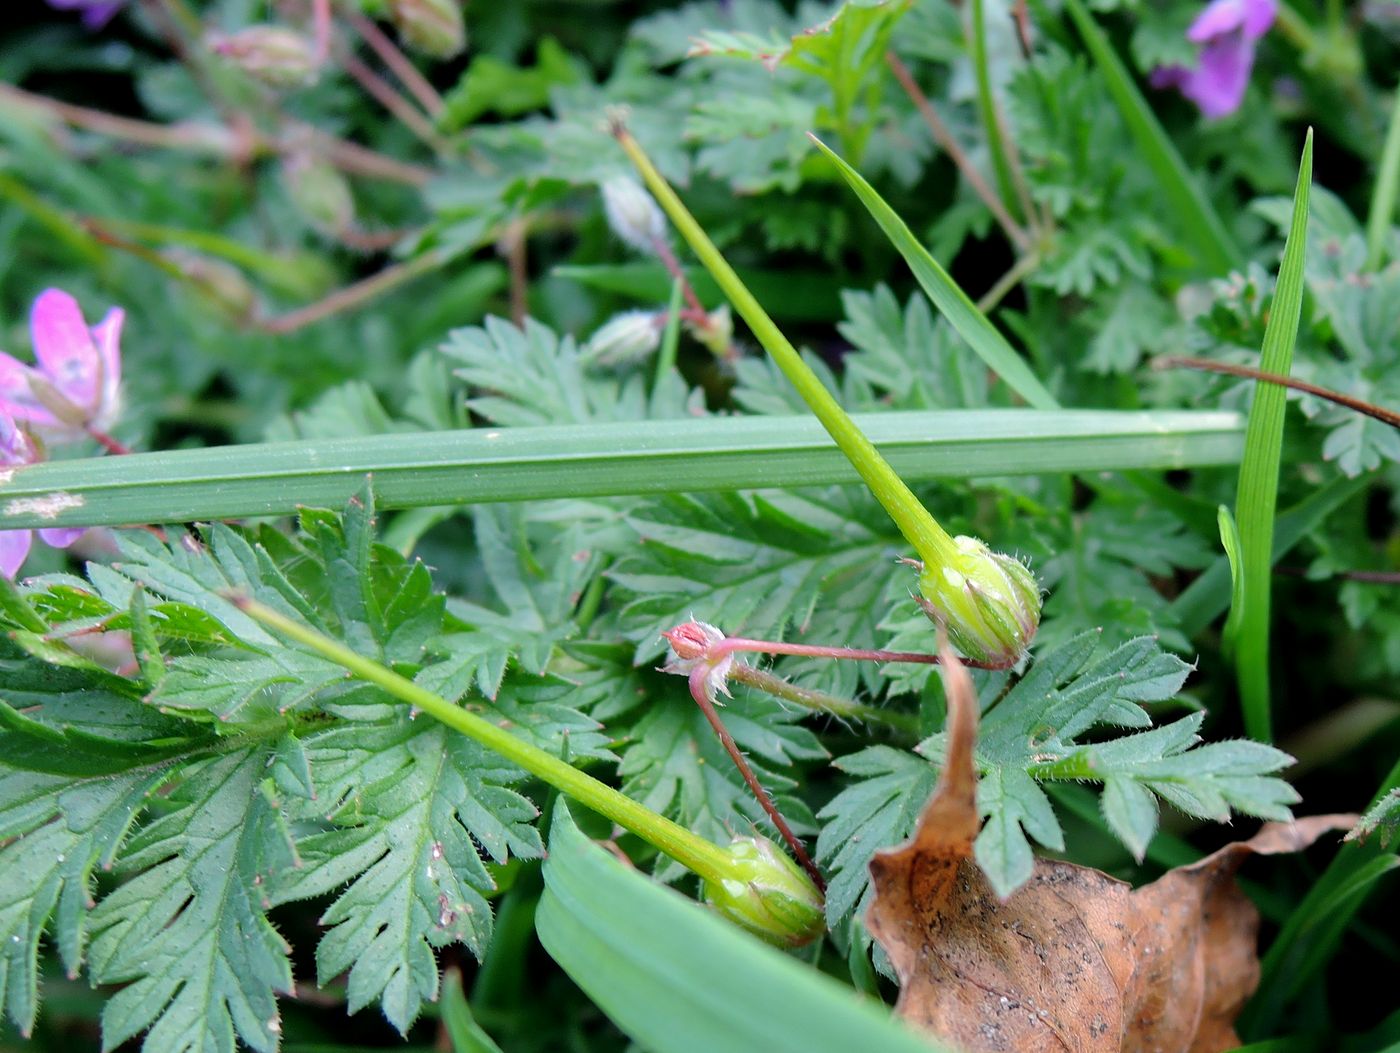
(1074, 960)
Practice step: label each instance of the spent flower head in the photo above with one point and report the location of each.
(690, 647)
(1226, 32)
(74, 387)
(16, 449)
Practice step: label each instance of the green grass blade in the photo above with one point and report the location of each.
(971, 324)
(1382, 213)
(1230, 539)
(1258, 486)
(1205, 598)
(1310, 937)
(595, 460)
(1184, 197)
(987, 108)
(463, 1031)
(679, 979)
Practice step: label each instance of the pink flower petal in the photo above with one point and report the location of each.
(61, 537)
(1218, 18)
(107, 334)
(64, 347)
(17, 395)
(14, 547)
(15, 445)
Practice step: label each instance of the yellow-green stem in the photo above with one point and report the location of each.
(919, 528)
(703, 857)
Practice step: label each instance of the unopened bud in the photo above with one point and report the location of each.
(319, 191)
(990, 602)
(627, 337)
(221, 283)
(434, 27)
(274, 55)
(633, 214)
(768, 894)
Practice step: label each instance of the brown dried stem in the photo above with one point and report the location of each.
(943, 136)
(1207, 365)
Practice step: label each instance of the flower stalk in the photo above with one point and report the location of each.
(746, 890)
(989, 602)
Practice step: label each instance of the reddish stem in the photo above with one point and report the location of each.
(1207, 365)
(730, 644)
(697, 691)
(108, 443)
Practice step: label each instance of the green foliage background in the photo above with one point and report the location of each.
(209, 837)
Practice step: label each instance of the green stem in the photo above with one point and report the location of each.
(986, 104)
(1382, 212)
(670, 338)
(703, 857)
(919, 528)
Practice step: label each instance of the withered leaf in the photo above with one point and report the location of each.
(1074, 960)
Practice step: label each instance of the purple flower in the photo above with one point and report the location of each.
(75, 387)
(1226, 32)
(96, 13)
(16, 448)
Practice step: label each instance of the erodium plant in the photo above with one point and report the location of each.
(988, 601)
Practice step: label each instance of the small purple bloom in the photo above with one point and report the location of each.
(1226, 31)
(16, 448)
(96, 13)
(75, 387)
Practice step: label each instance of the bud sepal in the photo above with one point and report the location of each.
(988, 601)
(768, 894)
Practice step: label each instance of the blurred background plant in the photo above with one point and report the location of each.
(332, 219)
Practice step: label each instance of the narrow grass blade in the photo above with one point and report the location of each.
(1382, 212)
(971, 324)
(1258, 486)
(1230, 539)
(679, 979)
(596, 460)
(987, 108)
(1205, 598)
(1310, 937)
(1185, 199)
(463, 1031)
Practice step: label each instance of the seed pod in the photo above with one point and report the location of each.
(633, 214)
(989, 601)
(769, 894)
(274, 55)
(627, 337)
(319, 192)
(434, 27)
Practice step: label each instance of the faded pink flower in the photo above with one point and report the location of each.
(16, 448)
(1226, 31)
(690, 644)
(74, 387)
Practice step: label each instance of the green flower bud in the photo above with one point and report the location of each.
(271, 54)
(627, 337)
(220, 283)
(768, 894)
(990, 602)
(434, 27)
(319, 191)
